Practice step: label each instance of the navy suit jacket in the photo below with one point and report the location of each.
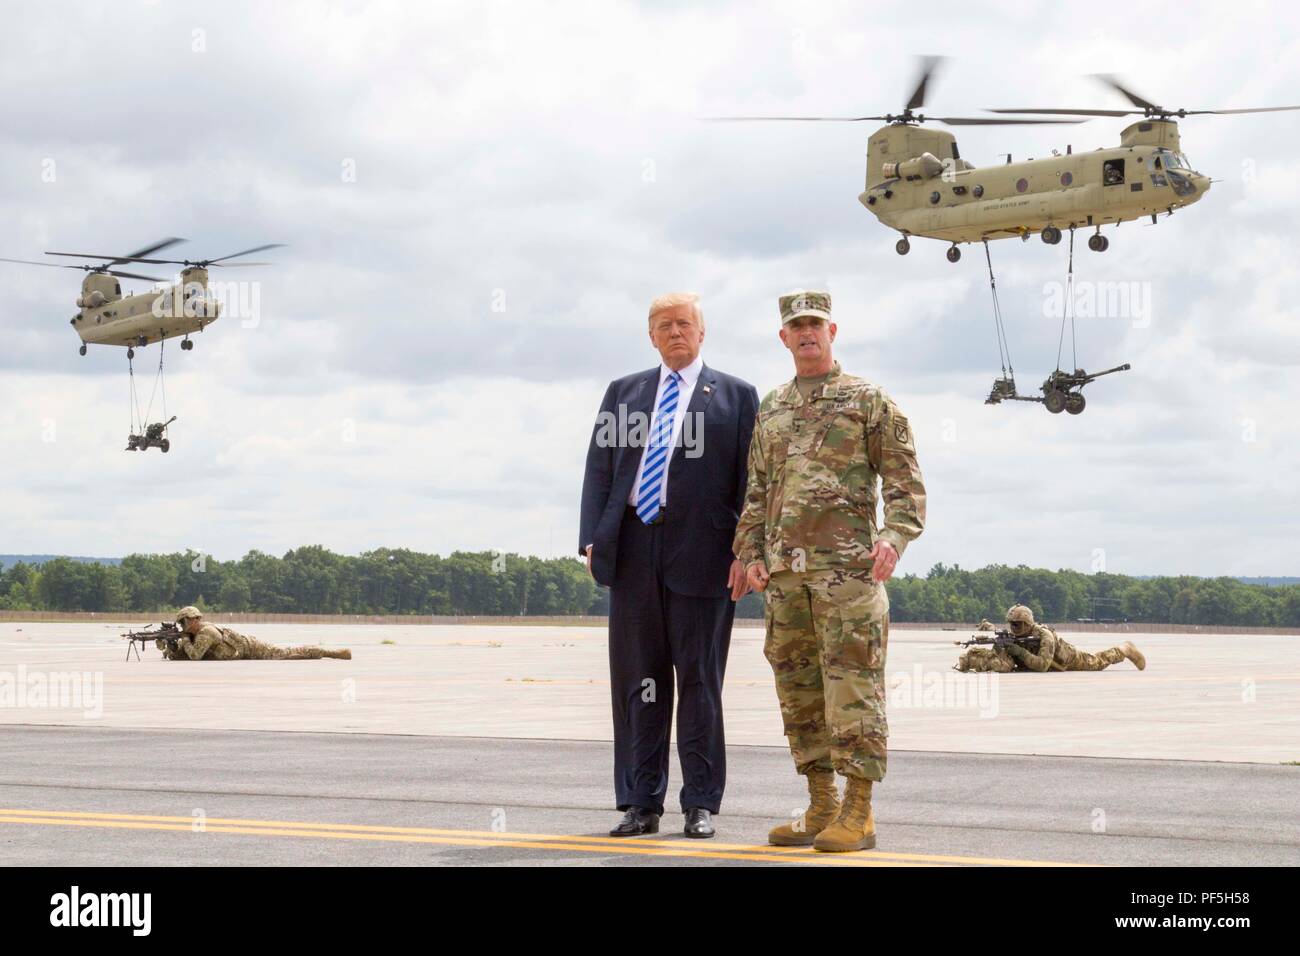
(705, 493)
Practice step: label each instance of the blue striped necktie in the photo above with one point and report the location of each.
(656, 455)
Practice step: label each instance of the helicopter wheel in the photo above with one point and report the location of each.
(954, 254)
(81, 351)
(1098, 243)
(1051, 235)
(1075, 402)
(1055, 401)
(167, 444)
(186, 345)
(130, 353)
(1105, 243)
(902, 246)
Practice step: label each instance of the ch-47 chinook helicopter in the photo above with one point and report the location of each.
(106, 317)
(918, 184)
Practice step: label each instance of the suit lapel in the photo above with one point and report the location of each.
(705, 387)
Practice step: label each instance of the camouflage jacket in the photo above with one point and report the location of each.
(1053, 654)
(813, 466)
(210, 643)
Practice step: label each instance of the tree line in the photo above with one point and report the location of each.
(315, 580)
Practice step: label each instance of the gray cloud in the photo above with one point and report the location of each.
(435, 339)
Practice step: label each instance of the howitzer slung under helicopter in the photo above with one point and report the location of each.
(153, 437)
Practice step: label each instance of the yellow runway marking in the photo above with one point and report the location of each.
(487, 838)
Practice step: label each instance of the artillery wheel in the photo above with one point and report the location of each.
(166, 445)
(1075, 402)
(130, 353)
(954, 254)
(1051, 235)
(81, 351)
(1055, 401)
(902, 246)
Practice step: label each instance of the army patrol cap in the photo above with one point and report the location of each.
(802, 302)
(186, 612)
(1020, 615)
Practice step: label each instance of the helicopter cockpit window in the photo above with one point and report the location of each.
(1174, 160)
(1112, 172)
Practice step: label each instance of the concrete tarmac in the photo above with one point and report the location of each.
(104, 796)
(489, 745)
(1202, 697)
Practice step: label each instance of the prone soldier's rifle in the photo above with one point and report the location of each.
(165, 631)
(1001, 639)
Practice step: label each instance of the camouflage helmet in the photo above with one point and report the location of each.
(1020, 615)
(186, 612)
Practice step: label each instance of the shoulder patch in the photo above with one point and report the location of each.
(901, 431)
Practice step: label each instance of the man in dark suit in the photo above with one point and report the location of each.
(662, 494)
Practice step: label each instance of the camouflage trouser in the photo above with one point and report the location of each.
(986, 659)
(1083, 661)
(255, 650)
(827, 635)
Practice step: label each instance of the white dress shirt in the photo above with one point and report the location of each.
(685, 389)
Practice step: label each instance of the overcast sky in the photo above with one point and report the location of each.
(480, 201)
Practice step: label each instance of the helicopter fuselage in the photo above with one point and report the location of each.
(106, 317)
(952, 200)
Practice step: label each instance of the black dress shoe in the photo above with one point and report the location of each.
(636, 822)
(699, 823)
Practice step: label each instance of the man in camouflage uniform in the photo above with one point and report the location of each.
(207, 642)
(808, 536)
(985, 625)
(1053, 653)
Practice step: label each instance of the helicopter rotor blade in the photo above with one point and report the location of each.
(85, 268)
(202, 263)
(150, 250)
(50, 265)
(1257, 109)
(1113, 83)
(138, 256)
(928, 66)
(111, 260)
(1074, 112)
(792, 119)
(235, 255)
(986, 121)
(129, 275)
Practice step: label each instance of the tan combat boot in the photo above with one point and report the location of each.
(856, 827)
(1132, 653)
(343, 655)
(823, 808)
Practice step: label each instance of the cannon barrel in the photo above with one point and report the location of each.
(173, 418)
(1118, 368)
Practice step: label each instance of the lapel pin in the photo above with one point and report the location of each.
(707, 389)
